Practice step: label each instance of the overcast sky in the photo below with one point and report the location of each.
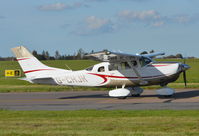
(129, 26)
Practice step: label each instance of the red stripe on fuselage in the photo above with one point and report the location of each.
(22, 59)
(121, 77)
(133, 77)
(36, 70)
(102, 76)
(157, 65)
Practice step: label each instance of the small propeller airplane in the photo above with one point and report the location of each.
(126, 72)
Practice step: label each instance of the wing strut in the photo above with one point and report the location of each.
(142, 82)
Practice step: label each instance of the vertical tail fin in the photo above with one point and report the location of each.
(21, 52)
(28, 62)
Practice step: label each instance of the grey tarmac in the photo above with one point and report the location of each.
(183, 99)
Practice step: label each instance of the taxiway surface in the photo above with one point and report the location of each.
(76, 100)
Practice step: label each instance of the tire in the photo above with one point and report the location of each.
(122, 97)
(167, 96)
(136, 95)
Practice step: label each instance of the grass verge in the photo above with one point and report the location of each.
(98, 123)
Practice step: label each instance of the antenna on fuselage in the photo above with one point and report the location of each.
(67, 67)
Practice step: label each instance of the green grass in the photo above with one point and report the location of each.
(44, 88)
(15, 85)
(98, 123)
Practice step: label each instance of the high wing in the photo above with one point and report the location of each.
(111, 56)
(152, 55)
(117, 56)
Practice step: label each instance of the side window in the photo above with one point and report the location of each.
(110, 67)
(113, 67)
(101, 69)
(125, 65)
(90, 68)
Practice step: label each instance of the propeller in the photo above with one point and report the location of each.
(184, 68)
(185, 78)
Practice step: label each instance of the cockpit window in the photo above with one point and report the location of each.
(134, 63)
(144, 61)
(119, 66)
(113, 67)
(101, 69)
(89, 68)
(125, 65)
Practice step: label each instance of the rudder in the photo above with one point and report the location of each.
(27, 61)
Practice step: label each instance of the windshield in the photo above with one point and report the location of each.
(144, 61)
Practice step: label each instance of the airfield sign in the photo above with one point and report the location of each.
(12, 73)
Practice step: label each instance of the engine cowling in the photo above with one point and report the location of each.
(122, 92)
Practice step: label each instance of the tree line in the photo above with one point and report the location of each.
(80, 54)
(45, 55)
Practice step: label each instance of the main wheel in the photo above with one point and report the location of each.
(168, 96)
(122, 97)
(136, 95)
(136, 91)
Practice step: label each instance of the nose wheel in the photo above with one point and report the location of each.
(167, 96)
(166, 92)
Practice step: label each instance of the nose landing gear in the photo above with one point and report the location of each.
(165, 91)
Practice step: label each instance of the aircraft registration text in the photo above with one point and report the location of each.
(71, 79)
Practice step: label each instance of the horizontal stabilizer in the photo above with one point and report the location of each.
(47, 80)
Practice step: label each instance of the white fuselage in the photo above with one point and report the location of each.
(122, 70)
(154, 73)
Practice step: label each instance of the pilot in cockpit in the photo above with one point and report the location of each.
(134, 63)
(101, 69)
